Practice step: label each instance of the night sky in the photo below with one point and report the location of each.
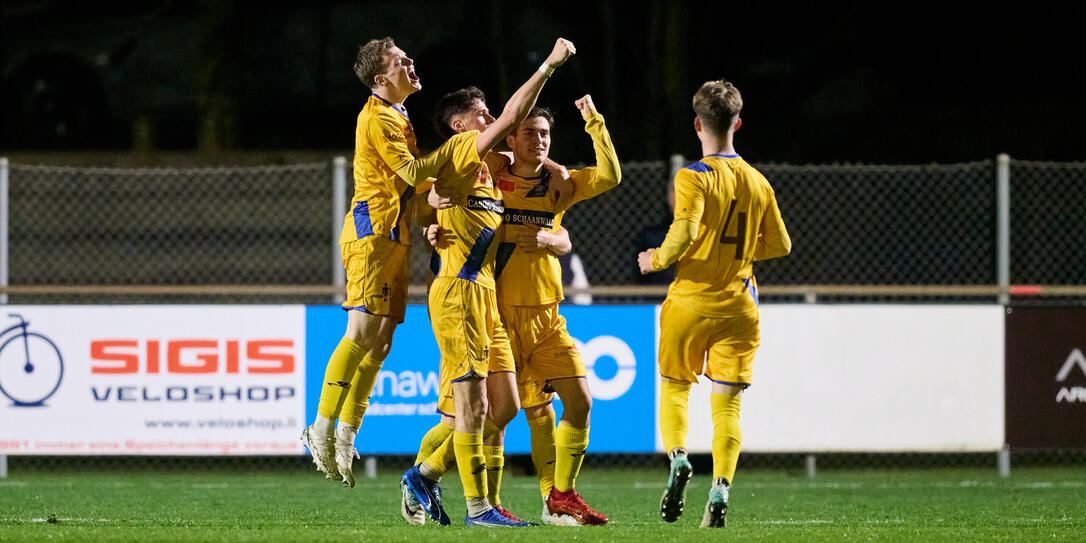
(905, 83)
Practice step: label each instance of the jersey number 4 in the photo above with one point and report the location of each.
(740, 237)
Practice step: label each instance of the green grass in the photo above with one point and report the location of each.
(920, 505)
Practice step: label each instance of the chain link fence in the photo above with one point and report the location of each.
(1048, 219)
(275, 225)
(862, 225)
(169, 227)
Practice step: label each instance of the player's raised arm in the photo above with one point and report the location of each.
(606, 174)
(522, 101)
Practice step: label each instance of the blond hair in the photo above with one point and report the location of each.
(370, 61)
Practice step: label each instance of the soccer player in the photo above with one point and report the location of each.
(529, 291)
(726, 218)
(462, 301)
(375, 244)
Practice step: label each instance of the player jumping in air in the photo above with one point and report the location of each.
(375, 246)
(726, 218)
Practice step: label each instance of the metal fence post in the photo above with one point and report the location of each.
(677, 163)
(1003, 461)
(339, 205)
(1003, 229)
(371, 467)
(3, 227)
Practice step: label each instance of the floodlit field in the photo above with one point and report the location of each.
(290, 505)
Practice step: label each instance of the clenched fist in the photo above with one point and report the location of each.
(563, 49)
(585, 105)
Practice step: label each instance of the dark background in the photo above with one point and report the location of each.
(822, 83)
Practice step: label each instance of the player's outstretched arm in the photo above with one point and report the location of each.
(689, 206)
(522, 101)
(417, 171)
(773, 240)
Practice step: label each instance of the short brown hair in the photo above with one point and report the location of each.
(370, 61)
(453, 104)
(539, 111)
(718, 103)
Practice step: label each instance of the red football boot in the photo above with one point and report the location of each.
(505, 513)
(570, 503)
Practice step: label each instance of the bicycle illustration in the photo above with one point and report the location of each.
(31, 367)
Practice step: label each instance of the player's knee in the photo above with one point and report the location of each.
(577, 412)
(381, 350)
(503, 412)
(471, 416)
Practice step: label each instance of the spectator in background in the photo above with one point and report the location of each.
(573, 275)
(651, 237)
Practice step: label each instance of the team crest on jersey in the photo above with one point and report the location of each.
(484, 176)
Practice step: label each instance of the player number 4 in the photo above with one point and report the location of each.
(740, 237)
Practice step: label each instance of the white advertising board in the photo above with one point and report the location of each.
(870, 378)
(152, 380)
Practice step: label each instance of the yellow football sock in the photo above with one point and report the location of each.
(432, 441)
(726, 435)
(490, 430)
(570, 444)
(358, 397)
(435, 466)
(495, 463)
(674, 397)
(471, 463)
(337, 377)
(543, 455)
(492, 446)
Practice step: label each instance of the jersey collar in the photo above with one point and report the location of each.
(400, 110)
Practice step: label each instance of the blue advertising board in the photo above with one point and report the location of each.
(617, 343)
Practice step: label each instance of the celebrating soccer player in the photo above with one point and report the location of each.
(529, 291)
(375, 244)
(462, 302)
(726, 218)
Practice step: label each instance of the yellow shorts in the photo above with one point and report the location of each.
(469, 333)
(377, 276)
(543, 349)
(720, 347)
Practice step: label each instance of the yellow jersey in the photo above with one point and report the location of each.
(471, 227)
(534, 276)
(737, 222)
(384, 142)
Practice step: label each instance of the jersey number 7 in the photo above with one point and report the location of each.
(740, 237)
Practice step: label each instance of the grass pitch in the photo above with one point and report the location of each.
(291, 505)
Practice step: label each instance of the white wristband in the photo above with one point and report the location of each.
(546, 69)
